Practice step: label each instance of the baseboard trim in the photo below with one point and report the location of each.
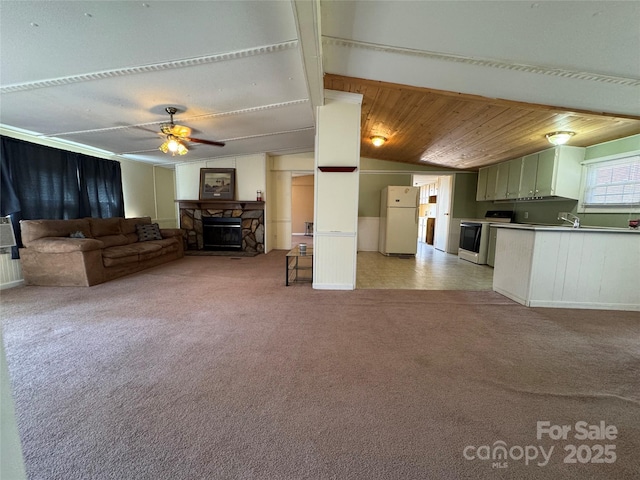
(585, 305)
(15, 283)
(334, 286)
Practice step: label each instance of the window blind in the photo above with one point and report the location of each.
(613, 182)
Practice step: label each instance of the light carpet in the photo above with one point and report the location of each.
(210, 368)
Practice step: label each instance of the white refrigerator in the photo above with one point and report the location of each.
(398, 220)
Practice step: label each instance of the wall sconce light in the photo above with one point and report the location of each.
(559, 138)
(378, 141)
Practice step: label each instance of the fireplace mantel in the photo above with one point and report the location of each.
(221, 204)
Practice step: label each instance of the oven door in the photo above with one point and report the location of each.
(470, 235)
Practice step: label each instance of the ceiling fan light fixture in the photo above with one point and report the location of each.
(174, 146)
(559, 138)
(378, 141)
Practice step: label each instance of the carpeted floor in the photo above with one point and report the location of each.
(209, 368)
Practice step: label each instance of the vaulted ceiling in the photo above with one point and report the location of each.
(425, 126)
(457, 84)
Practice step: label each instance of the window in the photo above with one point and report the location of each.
(613, 183)
(44, 182)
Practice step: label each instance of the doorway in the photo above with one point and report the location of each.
(434, 209)
(302, 208)
(433, 268)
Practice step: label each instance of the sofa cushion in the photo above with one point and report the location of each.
(112, 262)
(65, 245)
(114, 240)
(147, 256)
(101, 227)
(128, 225)
(148, 232)
(131, 253)
(130, 250)
(165, 242)
(34, 229)
(131, 237)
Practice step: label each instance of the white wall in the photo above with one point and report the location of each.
(165, 191)
(368, 234)
(251, 176)
(138, 189)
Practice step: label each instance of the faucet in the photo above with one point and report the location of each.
(569, 217)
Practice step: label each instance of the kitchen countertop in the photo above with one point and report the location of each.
(563, 228)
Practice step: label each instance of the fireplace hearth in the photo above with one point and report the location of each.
(222, 233)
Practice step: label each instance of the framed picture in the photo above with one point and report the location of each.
(217, 183)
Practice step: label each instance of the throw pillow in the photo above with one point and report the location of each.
(77, 234)
(148, 232)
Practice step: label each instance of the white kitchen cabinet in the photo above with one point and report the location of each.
(491, 254)
(422, 229)
(492, 182)
(515, 175)
(424, 194)
(528, 176)
(553, 172)
(481, 191)
(502, 180)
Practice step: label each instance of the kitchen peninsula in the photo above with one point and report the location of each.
(565, 267)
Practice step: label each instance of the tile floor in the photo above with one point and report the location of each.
(430, 269)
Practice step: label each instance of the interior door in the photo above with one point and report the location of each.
(443, 213)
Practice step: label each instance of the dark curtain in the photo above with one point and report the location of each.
(100, 187)
(44, 182)
(44, 179)
(9, 203)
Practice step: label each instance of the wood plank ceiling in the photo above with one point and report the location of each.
(425, 126)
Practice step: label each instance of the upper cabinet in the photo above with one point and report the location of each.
(537, 174)
(492, 183)
(515, 175)
(551, 173)
(481, 192)
(502, 180)
(427, 192)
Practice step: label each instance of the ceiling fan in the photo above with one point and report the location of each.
(176, 135)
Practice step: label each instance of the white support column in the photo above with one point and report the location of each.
(336, 192)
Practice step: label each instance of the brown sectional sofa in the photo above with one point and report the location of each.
(110, 249)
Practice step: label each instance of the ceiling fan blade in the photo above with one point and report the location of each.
(206, 142)
(177, 130)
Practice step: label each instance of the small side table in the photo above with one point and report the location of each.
(299, 262)
(308, 229)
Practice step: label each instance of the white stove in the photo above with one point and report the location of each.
(474, 235)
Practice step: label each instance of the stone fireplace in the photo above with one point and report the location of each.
(249, 214)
